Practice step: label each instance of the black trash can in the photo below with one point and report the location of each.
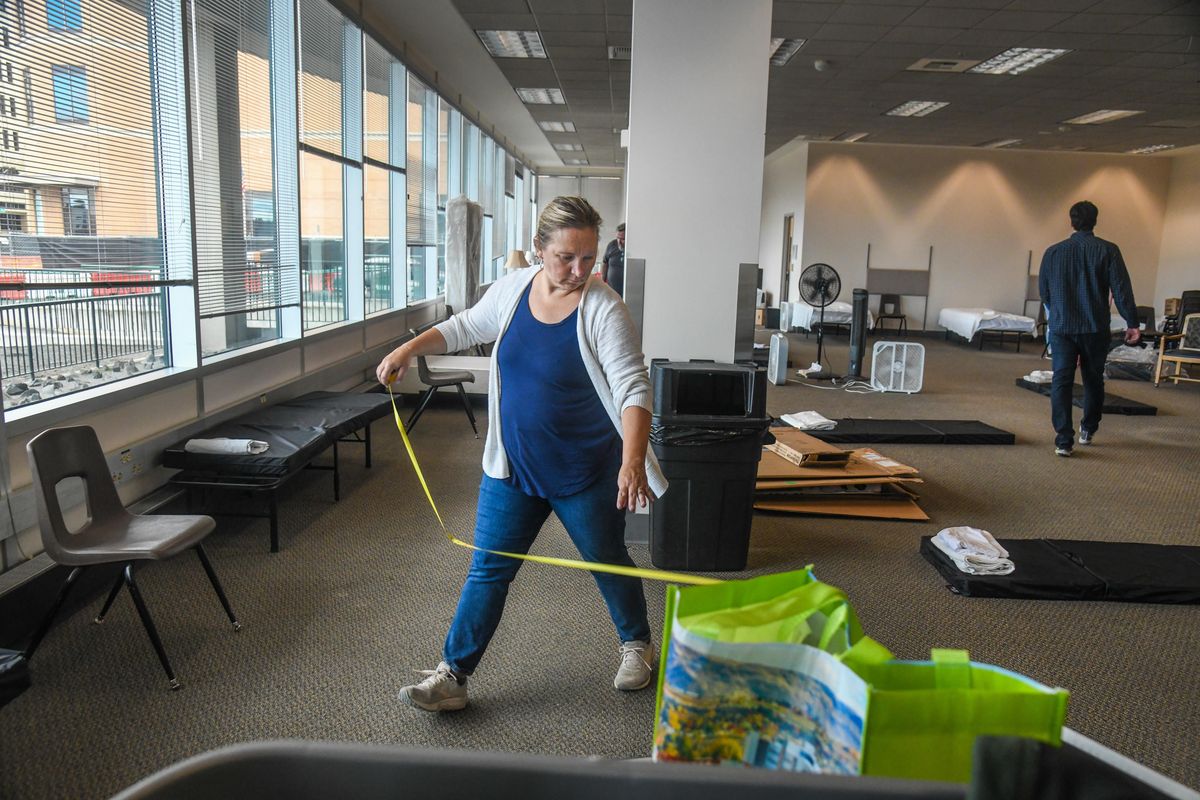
(707, 432)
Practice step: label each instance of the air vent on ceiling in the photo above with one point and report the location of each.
(617, 53)
(942, 65)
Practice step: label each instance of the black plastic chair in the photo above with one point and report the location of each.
(111, 535)
(437, 378)
(892, 300)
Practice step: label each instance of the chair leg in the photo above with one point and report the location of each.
(212, 577)
(462, 395)
(148, 624)
(52, 613)
(112, 595)
(416, 415)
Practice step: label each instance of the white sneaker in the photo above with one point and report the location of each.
(1065, 452)
(635, 671)
(440, 691)
(1085, 437)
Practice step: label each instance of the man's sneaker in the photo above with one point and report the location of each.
(1065, 452)
(1085, 437)
(440, 691)
(635, 671)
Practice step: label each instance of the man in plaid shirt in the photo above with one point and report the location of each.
(1077, 277)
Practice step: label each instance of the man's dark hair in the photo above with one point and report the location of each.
(621, 227)
(1083, 215)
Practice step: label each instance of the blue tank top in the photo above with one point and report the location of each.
(557, 435)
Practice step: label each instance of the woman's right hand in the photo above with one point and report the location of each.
(393, 366)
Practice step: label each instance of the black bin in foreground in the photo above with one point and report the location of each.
(706, 431)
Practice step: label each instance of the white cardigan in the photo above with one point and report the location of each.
(607, 343)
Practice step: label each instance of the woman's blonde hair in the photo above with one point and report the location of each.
(565, 212)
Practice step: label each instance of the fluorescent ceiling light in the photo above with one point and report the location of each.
(552, 126)
(577, 161)
(916, 108)
(542, 97)
(1150, 148)
(569, 147)
(851, 137)
(1103, 115)
(1016, 60)
(995, 144)
(512, 44)
(782, 50)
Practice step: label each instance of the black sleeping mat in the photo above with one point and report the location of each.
(1113, 404)
(297, 431)
(1067, 569)
(914, 431)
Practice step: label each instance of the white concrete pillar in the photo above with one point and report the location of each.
(697, 116)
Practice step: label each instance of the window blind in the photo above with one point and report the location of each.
(487, 175)
(237, 265)
(321, 66)
(422, 164)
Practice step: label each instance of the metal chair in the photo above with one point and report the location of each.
(111, 535)
(892, 300)
(437, 378)
(1188, 351)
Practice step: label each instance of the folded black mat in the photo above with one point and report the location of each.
(1113, 404)
(1068, 569)
(914, 431)
(14, 674)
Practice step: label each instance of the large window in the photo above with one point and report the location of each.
(79, 211)
(64, 15)
(328, 46)
(422, 190)
(384, 154)
(70, 93)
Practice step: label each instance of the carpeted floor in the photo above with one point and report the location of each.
(364, 589)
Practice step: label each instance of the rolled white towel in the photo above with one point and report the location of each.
(971, 541)
(973, 564)
(809, 421)
(221, 446)
(1040, 376)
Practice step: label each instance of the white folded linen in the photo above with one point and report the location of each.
(975, 564)
(809, 421)
(221, 446)
(1040, 376)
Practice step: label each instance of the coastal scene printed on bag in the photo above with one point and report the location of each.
(780, 706)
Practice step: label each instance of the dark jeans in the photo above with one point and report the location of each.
(509, 520)
(1090, 349)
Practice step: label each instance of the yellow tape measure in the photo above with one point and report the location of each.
(590, 566)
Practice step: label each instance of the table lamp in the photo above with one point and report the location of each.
(516, 260)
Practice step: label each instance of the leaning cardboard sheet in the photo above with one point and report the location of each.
(776, 672)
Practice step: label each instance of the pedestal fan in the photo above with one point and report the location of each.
(820, 286)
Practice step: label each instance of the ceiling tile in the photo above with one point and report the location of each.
(1134, 6)
(598, 55)
(1022, 20)
(491, 6)
(904, 33)
(794, 30)
(1173, 25)
(501, 22)
(852, 33)
(948, 17)
(802, 12)
(1100, 23)
(870, 14)
(540, 7)
(572, 22)
(624, 7)
(1073, 6)
(619, 24)
(574, 38)
(817, 49)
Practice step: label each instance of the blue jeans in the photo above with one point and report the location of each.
(1090, 349)
(509, 520)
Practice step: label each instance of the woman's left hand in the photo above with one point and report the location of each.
(632, 488)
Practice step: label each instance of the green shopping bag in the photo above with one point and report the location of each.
(758, 672)
(923, 716)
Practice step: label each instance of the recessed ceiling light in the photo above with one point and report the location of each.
(553, 126)
(542, 97)
(942, 65)
(782, 50)
(916, 108)
(620, 53)
(1016, 60)
(569, 147)
(512, 44)
(996, 144)
(851, 137)
(575, 161)
(1150, 148)
(1103, 115)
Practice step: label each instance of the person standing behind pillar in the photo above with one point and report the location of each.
(1075, 281)
(613, 269)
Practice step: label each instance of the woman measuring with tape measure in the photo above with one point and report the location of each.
(567, 434)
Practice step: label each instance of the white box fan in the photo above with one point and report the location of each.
(897, 367)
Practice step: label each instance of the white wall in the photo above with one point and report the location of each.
(605, 195)
(982, 211)
(697, 115)
(785, 175)
(1179, 262)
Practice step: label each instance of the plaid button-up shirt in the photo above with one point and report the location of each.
(1075, 281)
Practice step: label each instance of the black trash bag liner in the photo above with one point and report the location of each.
(699, 436)
(14, 674)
